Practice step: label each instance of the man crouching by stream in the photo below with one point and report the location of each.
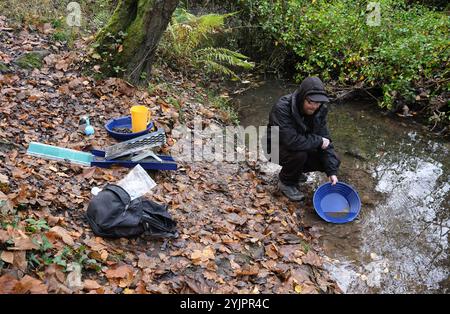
(304, 140)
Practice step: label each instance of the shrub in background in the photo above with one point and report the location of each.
(405, 56)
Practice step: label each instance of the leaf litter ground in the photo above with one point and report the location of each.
(237, 234)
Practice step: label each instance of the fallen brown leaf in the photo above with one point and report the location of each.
(198, 285)
(248, 270)
(18, 173)
(7, 257)
(168, 187)
(201, 256)
(312, 258)
(104, 255)
(24, 244)
(7, 284)
(4, 236)
(64, 234)
(236, 219)
(91, 285)
(271, 251)
(145, 261)
(123, 274)
(95, 244)
(193, 175)
(31, 285)
(20, 260)
(54, 270)
(88, 173)
(289, 252)
(140, 288)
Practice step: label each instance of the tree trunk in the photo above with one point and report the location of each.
(128, 42)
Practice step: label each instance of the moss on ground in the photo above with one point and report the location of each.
(30, 60)
(3, 68)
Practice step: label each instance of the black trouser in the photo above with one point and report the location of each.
(294, 163)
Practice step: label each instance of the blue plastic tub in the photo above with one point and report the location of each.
(124, 122)
(337, 204)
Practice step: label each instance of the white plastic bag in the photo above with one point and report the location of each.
(137, 182)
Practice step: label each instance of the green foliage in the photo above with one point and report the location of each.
(45, 244)
(440, 117)
(36, 225)
(189, 43)
(94, 13)
(106, 53)
(45, 255)
(57, 23)
(61, 259)
(60, 36)
(101, 12)
(66, 35)
(81, 257)
(175, 103)
(30, 60)
(3, 68)
(31, 11)
(41, 256)
(21, 207)
(33, 259)
(306, 246)
(217, 60)
(331, 39)
(224, 104)
(6, 221)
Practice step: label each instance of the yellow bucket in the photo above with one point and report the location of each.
(140, 118)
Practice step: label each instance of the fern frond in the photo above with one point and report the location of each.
(223, 55)
(216, 68)
(187, 33)
(210, 21)
(181, 16)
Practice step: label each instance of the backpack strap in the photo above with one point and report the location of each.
(156, 219)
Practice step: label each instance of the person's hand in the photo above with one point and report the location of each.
(333, 179)
(325, 143)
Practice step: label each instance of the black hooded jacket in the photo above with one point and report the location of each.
(299, 132)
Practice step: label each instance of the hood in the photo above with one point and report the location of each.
(310, 85)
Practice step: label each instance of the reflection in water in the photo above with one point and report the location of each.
(400, 242)
(414, 238)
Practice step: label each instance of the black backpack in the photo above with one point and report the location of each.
(112, 214)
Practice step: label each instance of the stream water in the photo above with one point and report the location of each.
(400, 241)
